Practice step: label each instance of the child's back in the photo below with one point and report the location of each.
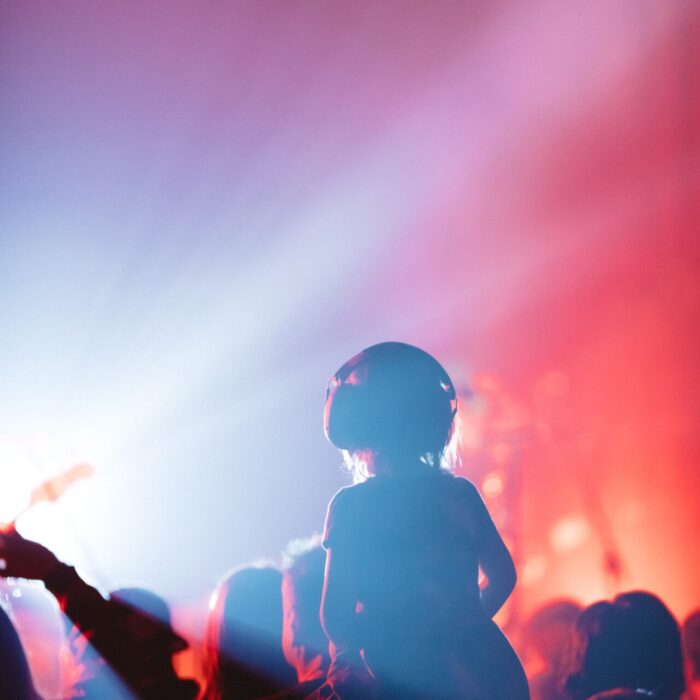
(413, 539)
(413, 542)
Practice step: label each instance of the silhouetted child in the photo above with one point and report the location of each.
(401, 601)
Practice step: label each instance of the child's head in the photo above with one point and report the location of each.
(391, 405)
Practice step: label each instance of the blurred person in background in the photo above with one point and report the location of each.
(548, 635)
(243, 656)
(42, 631)
(691, 644)
(659, 647)
(627, 648)
(15, 677)
(600, 659)
(304, 642)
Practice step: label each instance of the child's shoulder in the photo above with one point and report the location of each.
(375, 486)
(346, 495)
(353, 492)
(458, 485)
(360, 494)
(462, 483)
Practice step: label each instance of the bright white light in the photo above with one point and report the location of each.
(15, 470)
(25, 464)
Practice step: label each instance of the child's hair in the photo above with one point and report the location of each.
(363, 464)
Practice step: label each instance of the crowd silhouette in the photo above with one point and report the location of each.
(386, 604)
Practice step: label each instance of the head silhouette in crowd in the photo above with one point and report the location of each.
(599, 659)
(627, 648)
(15, 676)
(243, 641)
(548, 633)
(691, 643)
(304, 642)
(658, 646)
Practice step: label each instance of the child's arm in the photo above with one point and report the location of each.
(338, 615)
(494, 558)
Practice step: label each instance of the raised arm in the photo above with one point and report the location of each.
(109, 625)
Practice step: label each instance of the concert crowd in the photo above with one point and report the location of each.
(394, 600)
